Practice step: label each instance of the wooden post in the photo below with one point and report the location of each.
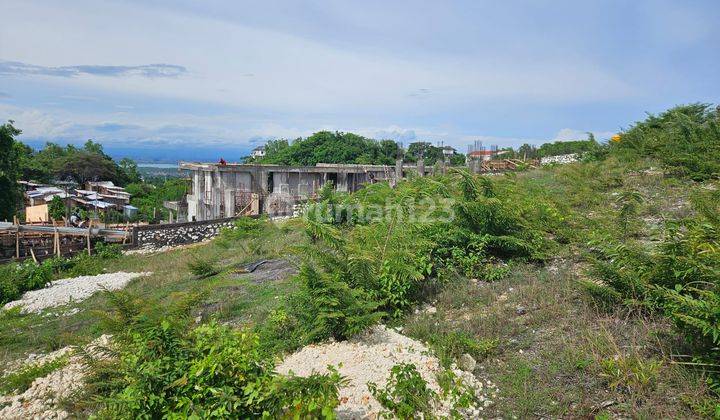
(56, 241)
(88, 242)
(33, 255)
(17, 237)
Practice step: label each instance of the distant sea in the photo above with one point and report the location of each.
(158, 165)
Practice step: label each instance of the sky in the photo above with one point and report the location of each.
(184, 79)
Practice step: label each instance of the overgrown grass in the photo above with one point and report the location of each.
(572, 286)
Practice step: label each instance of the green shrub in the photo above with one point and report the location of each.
(450, 345)
(107, 251)
(243, 228)
(202, 267)
(679, 278)
(406, 395)
(15, 279)
(630, 372)
(210, 371)
(686, 139)
(326, 306)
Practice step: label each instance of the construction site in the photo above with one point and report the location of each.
(218, 192)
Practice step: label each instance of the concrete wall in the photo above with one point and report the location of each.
(215, 187)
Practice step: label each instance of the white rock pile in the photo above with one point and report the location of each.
(559, 159)
(369, 358)
(62, 292)
(41, 400)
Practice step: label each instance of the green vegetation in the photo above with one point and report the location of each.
(148, 197)
(588, 289)
(17, 278)
(337, 147)
(57, 209)
(202, 268)
(9, 171)
(406, 395)
(568, 147)
(19, 381)
(329, 147)
(165, 368)
(79, 164)
(685, 139)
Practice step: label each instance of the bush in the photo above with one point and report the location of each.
(406, 395)
(202, 267)
(328, 307)
(210, 371)
(15, 279)
(630, 372)
(686, 139)
(680, 278)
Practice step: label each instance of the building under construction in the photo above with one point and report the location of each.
(221, 190)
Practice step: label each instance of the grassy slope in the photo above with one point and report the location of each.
(229, 295)
(550, 361)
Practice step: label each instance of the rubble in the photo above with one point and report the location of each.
(369, 358)
(41, 400)
(62, 292)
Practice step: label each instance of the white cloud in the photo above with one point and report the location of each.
(290, 73)
(567, 134)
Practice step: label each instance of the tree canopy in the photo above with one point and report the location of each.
(338, 147)
(330, 147)
(79, 164)
(9, 171)
(568, 147)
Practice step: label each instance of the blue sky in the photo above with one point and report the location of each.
(187, 76)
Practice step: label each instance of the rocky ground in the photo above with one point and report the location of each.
(43, 399)
(62, 292)
(369, 358)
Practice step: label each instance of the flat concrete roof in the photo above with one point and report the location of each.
(319, 168)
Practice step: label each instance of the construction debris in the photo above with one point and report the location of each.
(369, 358)
(43, 399)
(62, 292)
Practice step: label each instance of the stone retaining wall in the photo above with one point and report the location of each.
(171, 234)
(559, 159)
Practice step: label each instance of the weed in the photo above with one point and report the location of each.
(202, 268)
(406, 394)
(633, 372)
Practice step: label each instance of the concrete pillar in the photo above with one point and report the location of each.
(342, 183)
(471, 165)
(421, 167)
(398, 170)
(259, 184)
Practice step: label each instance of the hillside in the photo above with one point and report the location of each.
(582, 290)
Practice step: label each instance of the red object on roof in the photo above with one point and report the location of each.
(222, 161)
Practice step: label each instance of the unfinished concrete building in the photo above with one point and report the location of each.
(221, 190)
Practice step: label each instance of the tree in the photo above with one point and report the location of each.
(330, 147)
(129, 170)
(56, 208)
(9, 171)
(423, 149)
(84, 166)
(527, 151)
